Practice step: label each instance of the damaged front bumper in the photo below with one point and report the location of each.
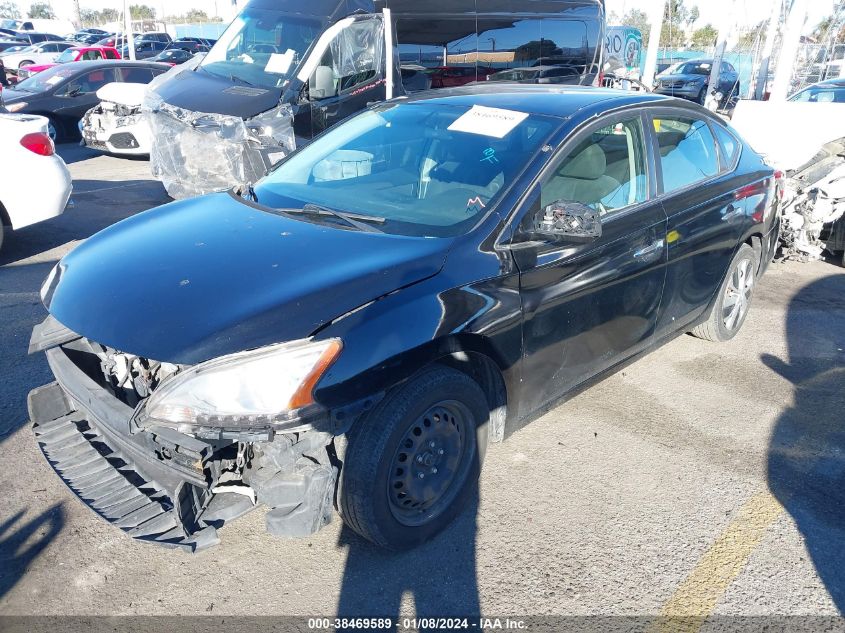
(106, 129)
(159, 485)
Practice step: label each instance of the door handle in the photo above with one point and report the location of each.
(651, 248)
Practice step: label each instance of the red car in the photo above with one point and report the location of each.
(75, 54)
(452, 76)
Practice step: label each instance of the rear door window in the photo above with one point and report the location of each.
(687, 151)
(135, 75)
(729, 147)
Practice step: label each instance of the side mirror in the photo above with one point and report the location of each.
(570, 220)
(72, 92)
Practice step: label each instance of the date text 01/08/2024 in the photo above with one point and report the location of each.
(415, 624)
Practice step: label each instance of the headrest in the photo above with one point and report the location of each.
(590, 164)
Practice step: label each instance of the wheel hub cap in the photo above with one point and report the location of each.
(426, 463)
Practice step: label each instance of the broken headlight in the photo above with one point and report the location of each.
(267, 387)
(126, 121)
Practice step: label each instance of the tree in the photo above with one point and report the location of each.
(748, 39)
(142, 12)
(196, 15)
(109, 15)
(9, 11)
(90, 17)
(705, 37)
(639, 20)
(41, 11)
(828, 29)
(675, 16)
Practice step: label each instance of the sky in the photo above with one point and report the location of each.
(741, 12)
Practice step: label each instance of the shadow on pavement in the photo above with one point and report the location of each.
(94, 205)
(74, 152)
(22, 543)
(439, 577)
(806, 462)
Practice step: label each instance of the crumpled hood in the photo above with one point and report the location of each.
(201, 278)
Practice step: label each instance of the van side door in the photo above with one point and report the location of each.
(590, 303)
(350, 74)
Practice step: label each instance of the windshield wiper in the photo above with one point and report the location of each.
(351, 219)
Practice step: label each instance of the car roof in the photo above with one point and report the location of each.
(110, 63)
(556, 100)
(838, 82)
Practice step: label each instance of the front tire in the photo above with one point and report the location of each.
(734, 299)
(412, 463)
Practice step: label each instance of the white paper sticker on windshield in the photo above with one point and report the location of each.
(279, 63)
(54, 80)
(485, 121)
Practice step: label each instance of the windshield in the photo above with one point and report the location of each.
(690, 68)
(68, 56)
(519, 74)
(421, 169)
(820, 94)
(45, 80)
(261, 47)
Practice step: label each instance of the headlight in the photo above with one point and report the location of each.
(14, 107)
(262, 388)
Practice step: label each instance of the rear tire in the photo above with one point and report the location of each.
(1, 235)
(412, 463)
(734, 299)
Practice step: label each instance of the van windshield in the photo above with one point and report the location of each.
(417, 169)
(261, 47)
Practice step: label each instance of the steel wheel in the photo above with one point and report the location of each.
(430, 460)
(738, 294)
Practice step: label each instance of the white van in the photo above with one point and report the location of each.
(56, 27)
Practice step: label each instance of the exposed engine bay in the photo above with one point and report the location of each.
(813, 206)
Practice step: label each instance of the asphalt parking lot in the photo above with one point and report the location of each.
(703, 479)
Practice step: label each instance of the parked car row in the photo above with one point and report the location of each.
(64, 93)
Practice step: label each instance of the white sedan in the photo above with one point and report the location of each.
(36, 183)
(42, 53)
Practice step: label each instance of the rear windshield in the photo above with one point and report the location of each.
(426, 169)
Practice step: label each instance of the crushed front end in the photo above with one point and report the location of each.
(160, 484)
(196, 153)
(116, 128)
(813, 217)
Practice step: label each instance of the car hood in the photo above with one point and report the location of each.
(690, 77)
(10, 95)
(200, 91)
(209, 276)
(39, 67)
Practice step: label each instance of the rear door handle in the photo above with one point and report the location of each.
(651, 248)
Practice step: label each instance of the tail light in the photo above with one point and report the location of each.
(39, 143)
(779, 183)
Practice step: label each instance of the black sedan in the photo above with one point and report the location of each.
(417, 282)
(64, 93)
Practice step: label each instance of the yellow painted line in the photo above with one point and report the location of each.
(696, 597)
